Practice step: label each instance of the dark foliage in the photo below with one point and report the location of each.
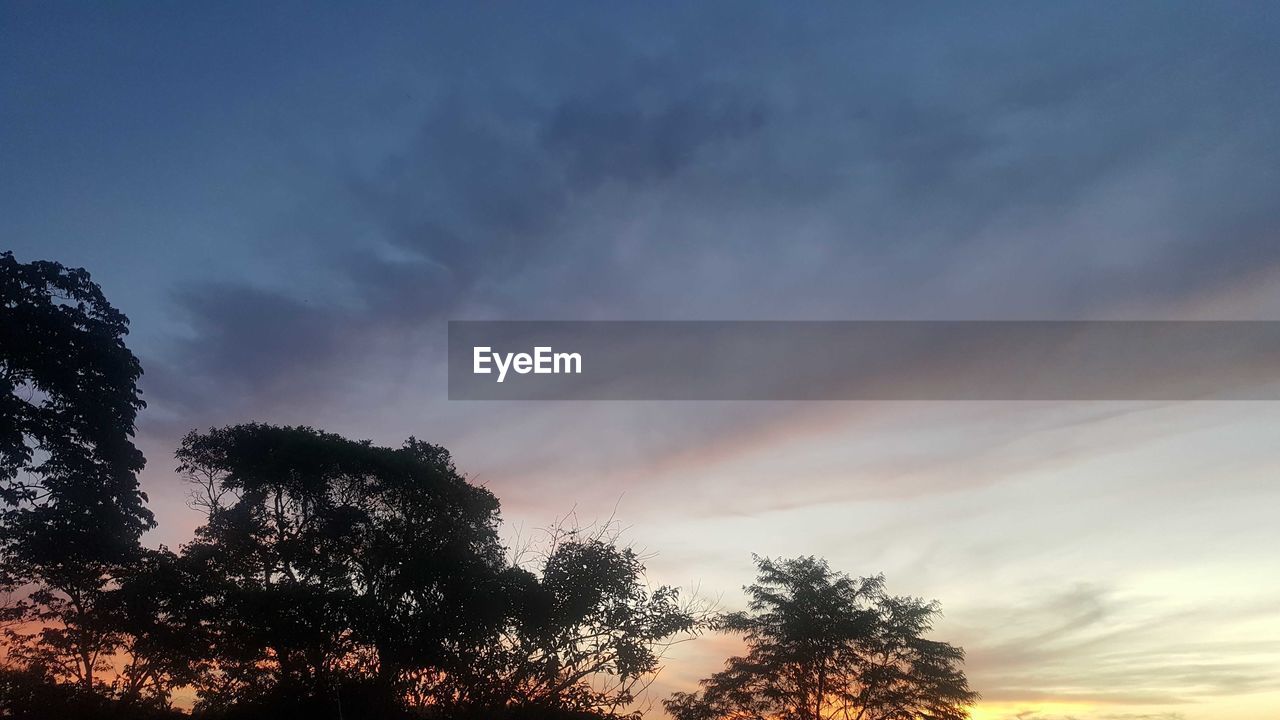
(326, 561)
(586, 636)
(821, 644)
(71, 512)
(339, 574)
(31, 695)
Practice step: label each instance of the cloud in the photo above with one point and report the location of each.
(1091, 644)
(889, 173)
(899, 166)
(614, 136)
(473, 206)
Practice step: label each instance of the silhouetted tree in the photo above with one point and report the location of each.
(587, 634)
(159, 604)
(347, 577)
(31, 694)
(823, 645)
(71, 512)
(336, 568)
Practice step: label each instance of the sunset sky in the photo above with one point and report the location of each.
(289, 202)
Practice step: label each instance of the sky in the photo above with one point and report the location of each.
(290, 200)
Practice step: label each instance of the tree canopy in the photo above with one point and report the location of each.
(822, 645)
(331, 561)
(71, 511)
(334, 569)
(588, 633)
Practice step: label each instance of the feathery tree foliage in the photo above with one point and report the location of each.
(587, 633)
(824, 646)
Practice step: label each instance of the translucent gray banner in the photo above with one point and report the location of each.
(978, 360)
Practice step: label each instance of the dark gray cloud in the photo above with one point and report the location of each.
(614, 137)
(482, 193)
(979, 165)
(468, 211)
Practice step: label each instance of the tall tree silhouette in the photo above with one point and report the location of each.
(344, 579)
(822, 645)
(70, 505)
(335, 566)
